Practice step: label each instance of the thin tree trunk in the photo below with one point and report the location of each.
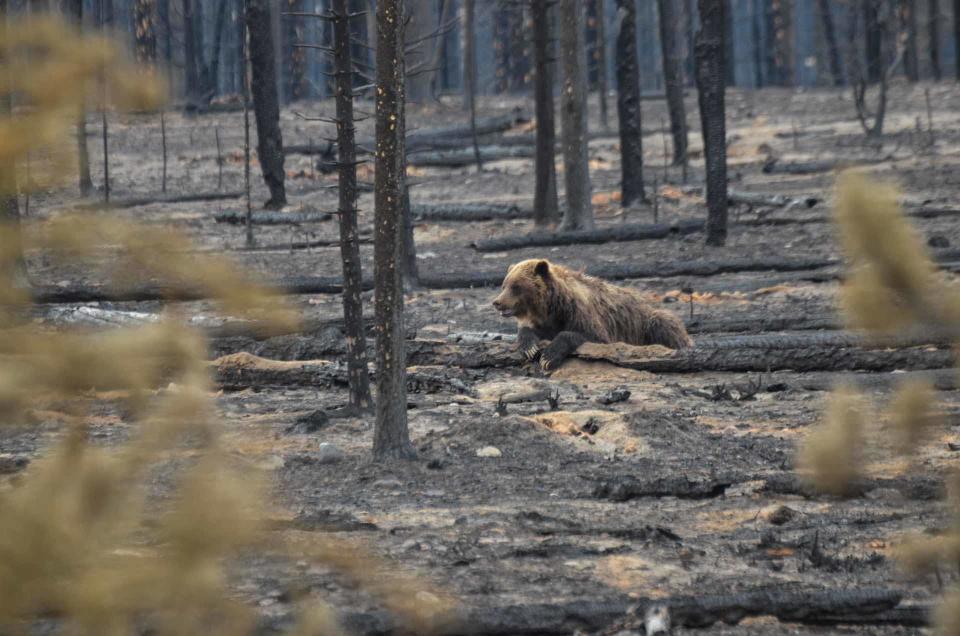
(933, 26)
(266, 106)
(956, 37)
(833, 50)
(13, 269)
(436, 61)
(470, 72)
(709, 58)
(408, 248)
(602, 63)
(908, 19)
(191, 61)
(245, 83)
(573, 110)
(163, 16)
(212, 70)
(296, 56)
(422, 19)
(83, 154)
(628, 105)
(673, 78)
(359, 379)
(688, 30)
(145, 32)
(391, 438)
(546, 208)
(730, 61)
(757, 31)
(873, 40)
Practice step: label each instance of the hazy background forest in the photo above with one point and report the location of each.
(251, 379)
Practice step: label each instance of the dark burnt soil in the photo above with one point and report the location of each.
(685, 488)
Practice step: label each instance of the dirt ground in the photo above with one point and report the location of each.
(531, 525)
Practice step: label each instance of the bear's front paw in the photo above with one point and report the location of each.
(552, 357)
(528, 345)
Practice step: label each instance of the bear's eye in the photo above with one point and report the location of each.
(514, 288)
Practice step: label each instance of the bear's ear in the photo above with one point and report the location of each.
(542, 269)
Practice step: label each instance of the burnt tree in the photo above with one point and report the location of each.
(359, 380)
(601, 59)
(391, 438)
(573, 112)
(873, 41)
(470, 73)
(201, 75)
(628, 105)
(956, 36)
(295, 82)
(421, 24)
(83, 153)
(13, 270)
(266, 106)
(709, 54)
(833, 49)
(546, 209)
(908, 24)
(672, 54)
(145, 34)
(933, 27)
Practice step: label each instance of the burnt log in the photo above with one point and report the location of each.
(272, 218)
(770, 200)
(469, 212)
(137, 201)
(466, 156)
(776, 165)
(627, 232)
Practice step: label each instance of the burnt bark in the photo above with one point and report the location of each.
(359, 380)
(933, 29)
(908, 22)
(545, 204)
(873, 40)
(830, 34)
(628, 106)
(295, 86)
(710, 69)
(601, 55)
(191, 56)
(391, 435)
(266, 106)
(145, 34)
(470, 73)
(573, 108)
(83, 154)
(673, 77)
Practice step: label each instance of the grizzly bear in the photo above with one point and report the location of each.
(568, 308)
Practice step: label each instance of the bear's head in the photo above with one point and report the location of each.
(525, 291)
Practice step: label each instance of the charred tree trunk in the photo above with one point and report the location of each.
(956, 37)
(166, 33)
(628, 106)
(421, 25)
(266, 106)
(391, 439)
(602, 62)
(145, 32)
(470, 73)
(908, 21)
(296, 80)
(710, 68)
(830, 34)
(729, 68)
(83, 154)
(211, 71)
(673, 77)
(933, 26)
(756, 31)
(349, 239)
(13, 270)
(573, 109)
(191, 56)
(439, 46)
(545, 206)
(873, 40)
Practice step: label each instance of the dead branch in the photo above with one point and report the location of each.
(133, 202)
(273, 218)
(629, 232)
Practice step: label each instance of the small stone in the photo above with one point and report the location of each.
(938, 241)
(389, 482)
(327, 453)
(489, 451)
(309, 423)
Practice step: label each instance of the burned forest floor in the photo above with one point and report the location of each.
(552, 503)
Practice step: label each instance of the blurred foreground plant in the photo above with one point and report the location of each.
(892, 285)
(81, 539)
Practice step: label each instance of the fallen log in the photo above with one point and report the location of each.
(466, 157)
(770, 200)
(626, 232)
(273, 218)
(133, 202)
(788, 603)
(469, 212)
(776, 165)
(300, 245)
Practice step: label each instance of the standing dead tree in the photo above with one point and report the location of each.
(13, 269)
(872, 20)
(391, 439)
(908, 24)
(470, 72)
(709, 54)
(933, 37)
(83, 154)
(888, 48)
(672, 53)
(830, 34)
(601, 60)
(200, 74)
(956, 37)
(546, 209)
(573, 109)
(266, 104)
(628, 105)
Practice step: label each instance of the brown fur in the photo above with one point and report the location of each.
(552, 299)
